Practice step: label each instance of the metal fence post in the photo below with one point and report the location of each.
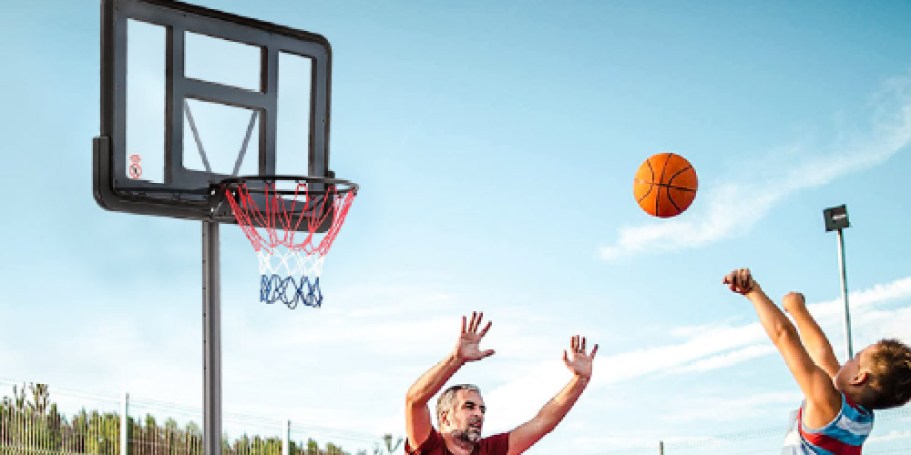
(124, 424)
(286, 438)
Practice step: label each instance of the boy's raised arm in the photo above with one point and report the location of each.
(813, 338)
(823, 401)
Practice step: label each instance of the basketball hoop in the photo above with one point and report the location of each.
(291, 223)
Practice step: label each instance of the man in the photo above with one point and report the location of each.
(460, 409)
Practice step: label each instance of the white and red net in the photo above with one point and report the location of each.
(291, 225)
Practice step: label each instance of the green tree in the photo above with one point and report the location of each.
(313, 447)
(194, 442)
(392, 443)
(332, 449)
(40, 398)
(19, 398)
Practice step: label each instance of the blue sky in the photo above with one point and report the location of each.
(495, 145)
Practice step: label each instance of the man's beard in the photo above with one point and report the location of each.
(470, 435)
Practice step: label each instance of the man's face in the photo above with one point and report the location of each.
(466, 418)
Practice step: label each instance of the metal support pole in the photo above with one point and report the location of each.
(844, 292)
(211, 341)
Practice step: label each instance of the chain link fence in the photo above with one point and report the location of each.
(31, 423)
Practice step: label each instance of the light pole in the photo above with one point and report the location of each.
(836, 220)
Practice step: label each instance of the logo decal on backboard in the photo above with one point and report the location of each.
(135, 169)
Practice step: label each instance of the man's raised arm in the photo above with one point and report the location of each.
(417, 413)
(527, 434)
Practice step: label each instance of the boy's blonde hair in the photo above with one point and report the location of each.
(889, 361)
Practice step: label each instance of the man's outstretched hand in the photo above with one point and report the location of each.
(581, 363)
(468, 348)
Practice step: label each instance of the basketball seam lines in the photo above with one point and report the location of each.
(661, 179)
(651, 184)
(670, 180)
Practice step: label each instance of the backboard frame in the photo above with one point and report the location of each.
(186, 192)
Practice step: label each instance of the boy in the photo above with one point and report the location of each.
(837, 412)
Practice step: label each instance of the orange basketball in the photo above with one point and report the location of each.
(665, 185)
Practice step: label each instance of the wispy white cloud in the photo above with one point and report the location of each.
(616, 444)
(723, 408)
(723, 212)
(731, 345)
(726, 359)
(897, 435)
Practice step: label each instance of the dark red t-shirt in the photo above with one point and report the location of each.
(497, 444)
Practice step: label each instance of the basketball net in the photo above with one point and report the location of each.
(284, 225)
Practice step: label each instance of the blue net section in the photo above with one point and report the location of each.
(290, 276)
(290, 291)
